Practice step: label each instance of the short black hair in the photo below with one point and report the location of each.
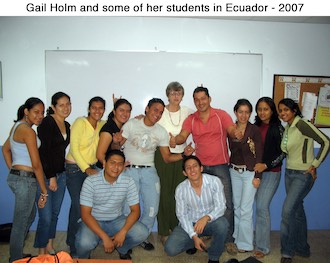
(114, 152)
(155, 100)
(201, 89)
(186, 158)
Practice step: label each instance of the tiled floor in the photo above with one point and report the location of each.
(318, 240)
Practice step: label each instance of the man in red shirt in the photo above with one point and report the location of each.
(209, 128)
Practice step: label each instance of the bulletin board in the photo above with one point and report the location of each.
(312, 93)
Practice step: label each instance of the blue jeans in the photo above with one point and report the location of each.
(294, 224)
(179, 241)
(148, 186)
(48, 215)
(24, 189)
(222, 171)
(243, 198)
(87, 240)
(265, 193)
(74, 181)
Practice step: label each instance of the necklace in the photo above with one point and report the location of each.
(176, 125)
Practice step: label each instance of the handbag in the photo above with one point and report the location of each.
(60, 257)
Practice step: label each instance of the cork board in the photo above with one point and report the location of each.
(294, 86)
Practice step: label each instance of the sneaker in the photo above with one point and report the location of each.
(286, 260)
(231, 248)
(191, 251)
(213, 261)
(126, 256)
(146, 245)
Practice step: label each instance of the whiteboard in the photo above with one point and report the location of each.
(140, 76)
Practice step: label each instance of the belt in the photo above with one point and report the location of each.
(138, 166)
(22, 173)
(240, 169)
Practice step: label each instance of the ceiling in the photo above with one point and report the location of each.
(285, 19)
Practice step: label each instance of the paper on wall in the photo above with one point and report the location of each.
(292, 91)
(309, 102)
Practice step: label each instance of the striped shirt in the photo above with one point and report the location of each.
(107, 200)
(190, 207)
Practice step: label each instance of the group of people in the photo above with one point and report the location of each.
(194, 190)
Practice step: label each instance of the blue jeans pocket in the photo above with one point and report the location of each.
(71, 168)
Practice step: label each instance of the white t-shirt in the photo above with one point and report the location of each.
(142, 141)
(172, 122)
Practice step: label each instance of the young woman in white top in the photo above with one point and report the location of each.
(21, 155)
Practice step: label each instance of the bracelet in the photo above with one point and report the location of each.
(44, 195)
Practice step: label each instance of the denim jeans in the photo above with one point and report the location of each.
(48, 215)
(222, 171)
(87, 240)
(74, 181)
(179, 241)
(148, 186)
(265, 193)
(243, 198)
(294, 224)
(24, 189)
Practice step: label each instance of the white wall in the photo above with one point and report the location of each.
(287, 48)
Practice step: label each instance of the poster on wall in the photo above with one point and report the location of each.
(323, 108)
(292, 91)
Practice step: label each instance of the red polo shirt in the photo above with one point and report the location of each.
(210, 138)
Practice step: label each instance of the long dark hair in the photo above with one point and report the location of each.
(117, 104)
(55, 98)
(292, 105)
(274, 118)
(29, 104)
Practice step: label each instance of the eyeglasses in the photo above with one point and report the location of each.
(176, 93)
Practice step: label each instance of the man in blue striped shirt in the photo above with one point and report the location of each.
(102, 198)
(200, 208)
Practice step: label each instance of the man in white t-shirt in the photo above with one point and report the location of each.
(140, 139)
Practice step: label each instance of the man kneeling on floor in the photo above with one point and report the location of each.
(102, 199)
(200, 208)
